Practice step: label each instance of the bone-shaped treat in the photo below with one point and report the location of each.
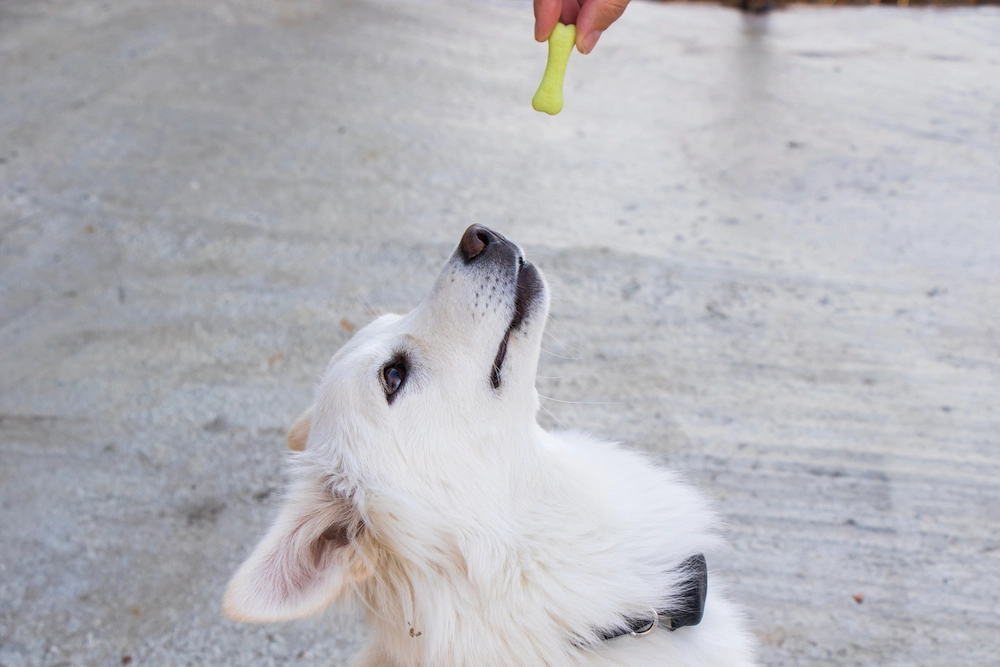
(548, 97)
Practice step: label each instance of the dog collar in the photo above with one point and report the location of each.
(688, 611)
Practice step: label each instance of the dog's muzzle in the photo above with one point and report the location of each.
(491, 251)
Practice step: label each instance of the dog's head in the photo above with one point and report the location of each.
(424, 411)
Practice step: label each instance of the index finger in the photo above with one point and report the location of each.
(547, 13)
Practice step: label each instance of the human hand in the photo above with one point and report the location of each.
(591, 17)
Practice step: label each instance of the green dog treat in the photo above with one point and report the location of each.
(548, 97)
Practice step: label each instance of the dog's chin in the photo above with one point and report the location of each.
(529, 300)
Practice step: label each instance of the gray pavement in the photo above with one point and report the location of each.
(774, 248)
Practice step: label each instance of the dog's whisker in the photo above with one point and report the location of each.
(365, 305)
(561, 342)
(549, 412)
(559, 400)
(553, 318)
(559, 356)
(549, 377)
(551, 321)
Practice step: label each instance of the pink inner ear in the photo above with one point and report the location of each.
(332, 539)
(299, 567)
(301, 571)
(295, 572)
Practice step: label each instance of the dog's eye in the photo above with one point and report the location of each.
(394, 374)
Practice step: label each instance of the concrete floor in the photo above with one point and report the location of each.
(774, 248)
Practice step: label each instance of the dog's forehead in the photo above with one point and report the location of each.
(368, 345)
(425, 328)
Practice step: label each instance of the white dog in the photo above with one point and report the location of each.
(425, 488)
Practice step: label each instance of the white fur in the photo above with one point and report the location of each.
(472, 536)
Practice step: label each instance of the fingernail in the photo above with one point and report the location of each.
(590, 41)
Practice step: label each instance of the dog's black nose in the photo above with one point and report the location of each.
(474, 241)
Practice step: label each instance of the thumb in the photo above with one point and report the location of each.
(595, 17)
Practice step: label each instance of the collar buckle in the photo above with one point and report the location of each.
(643, 631)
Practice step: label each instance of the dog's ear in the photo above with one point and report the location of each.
(307, 559)
(298, 435)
